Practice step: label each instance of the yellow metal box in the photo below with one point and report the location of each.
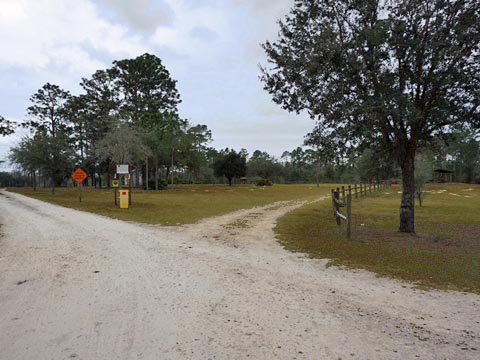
(123, 199)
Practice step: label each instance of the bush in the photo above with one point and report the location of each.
(151, 184)
(263, 182)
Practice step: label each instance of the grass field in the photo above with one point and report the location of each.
(187, 204)
(444, 253)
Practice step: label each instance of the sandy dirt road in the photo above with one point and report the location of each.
(75, 285)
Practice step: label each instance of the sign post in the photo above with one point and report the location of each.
(115, 187)
(79, 176)
(122, 177)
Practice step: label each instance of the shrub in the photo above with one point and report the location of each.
(151, 184)
(263, 182)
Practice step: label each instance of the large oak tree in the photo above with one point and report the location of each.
(230, 164)
(387, 74)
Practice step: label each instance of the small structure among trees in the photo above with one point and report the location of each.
(443, 175)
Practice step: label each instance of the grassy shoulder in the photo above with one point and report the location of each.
(187, 204)
(444, 253)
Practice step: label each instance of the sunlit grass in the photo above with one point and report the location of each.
(444, 253)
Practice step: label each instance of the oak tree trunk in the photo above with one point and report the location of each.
(407, 207)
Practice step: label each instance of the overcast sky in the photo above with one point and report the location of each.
(212, 47)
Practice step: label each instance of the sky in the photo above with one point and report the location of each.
(211, 47)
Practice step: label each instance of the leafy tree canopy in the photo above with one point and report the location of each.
(122, 145)
(230, 165)
(465, 151)
(145, 87)
(385, 74)
(52, 156)
(49, 112)
(263, 165)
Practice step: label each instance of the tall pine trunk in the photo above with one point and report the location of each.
(34, 175)
(138, 168)
(147, 176)
(407, 207)
(156, 173)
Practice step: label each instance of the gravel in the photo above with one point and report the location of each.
(75, 285)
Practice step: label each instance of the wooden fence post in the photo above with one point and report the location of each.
(343, 193)
(337, 207)
(356, 194)
(333, 203)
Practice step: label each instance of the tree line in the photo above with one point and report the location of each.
(126, 114)
(460, 156)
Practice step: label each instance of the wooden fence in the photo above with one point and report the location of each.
(342, 197)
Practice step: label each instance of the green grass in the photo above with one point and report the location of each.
(444, 252)
(187, 204)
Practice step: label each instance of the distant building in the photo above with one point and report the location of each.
(443, 175)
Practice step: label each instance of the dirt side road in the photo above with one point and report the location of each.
(80, 286)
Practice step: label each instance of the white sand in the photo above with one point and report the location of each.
(75, 285)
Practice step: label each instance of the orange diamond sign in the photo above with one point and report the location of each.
(79, 175)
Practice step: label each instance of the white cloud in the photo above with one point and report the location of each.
(201, 32)
(274, 135)
(79, 60)
(212, 47)
(141, 15)
(34, 33)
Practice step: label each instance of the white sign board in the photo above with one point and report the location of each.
(123, 169)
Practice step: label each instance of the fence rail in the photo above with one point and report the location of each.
(342, 197)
